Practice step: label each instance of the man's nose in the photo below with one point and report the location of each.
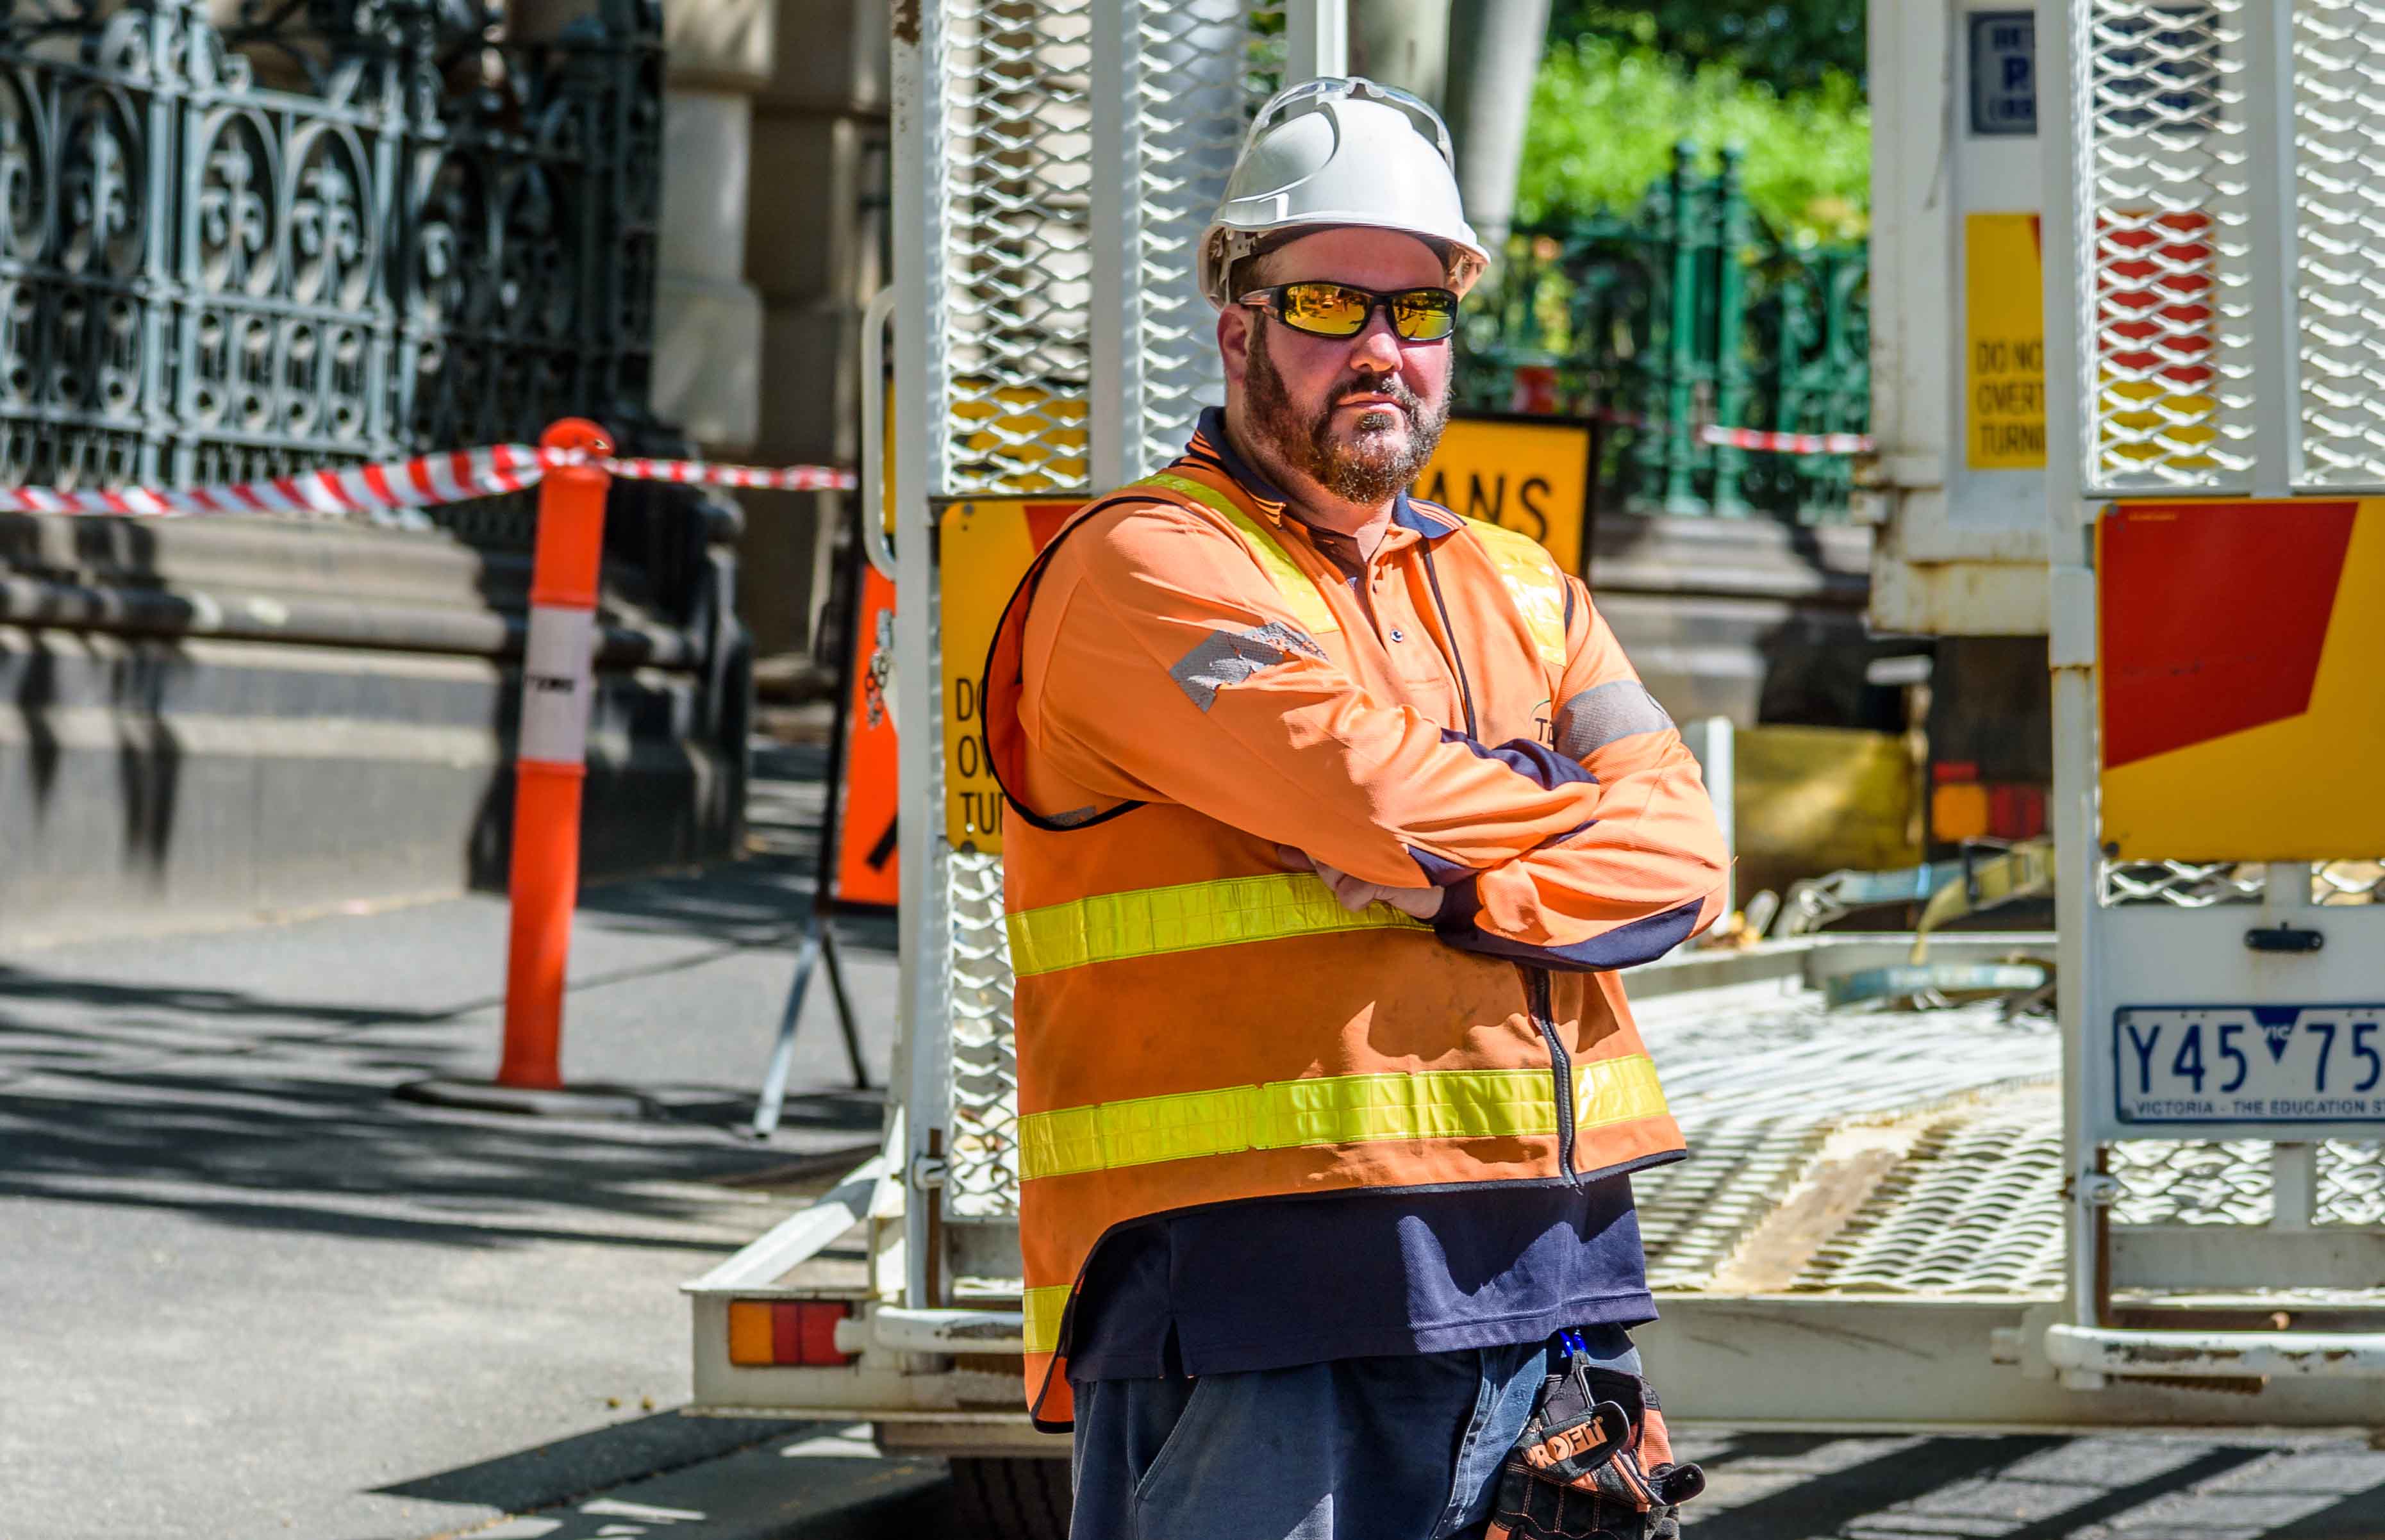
(1376, 349)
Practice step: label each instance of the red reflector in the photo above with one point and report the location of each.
(804, 1332)
(1950, 771)
(2015, 812)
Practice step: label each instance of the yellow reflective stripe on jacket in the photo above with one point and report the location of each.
(1534, 582)
(1330, 1110)
(1147, 921)
(1298, 589)
(1042, 1309)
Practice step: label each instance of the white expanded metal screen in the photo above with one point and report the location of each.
(1200, 69)
(2339, 122)
(2163, 231)
(1016, 202)
(1007, 328)
(2198, 885)
(2232, 253)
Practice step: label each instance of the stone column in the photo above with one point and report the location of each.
(813, 250)
(707, 318)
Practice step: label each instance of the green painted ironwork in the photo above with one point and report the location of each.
(1682, 314)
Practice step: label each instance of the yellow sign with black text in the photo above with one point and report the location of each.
(2004, 350)
(1529, 474)
(983, 547)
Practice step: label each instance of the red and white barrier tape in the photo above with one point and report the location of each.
(1747, 437)
(427, 480)
(1785, 444)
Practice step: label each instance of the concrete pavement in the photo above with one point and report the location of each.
(248, 1292)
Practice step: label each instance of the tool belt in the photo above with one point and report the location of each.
(1594, 1461)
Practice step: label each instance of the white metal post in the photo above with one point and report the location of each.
(2268, 95)
(919, 160)
(1709, 739)
(2071, 642)
(1113, 408)
(1317, 39)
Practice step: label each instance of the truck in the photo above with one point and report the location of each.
(2129, 1172)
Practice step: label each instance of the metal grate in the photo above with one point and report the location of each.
(1010, 353)
(1694, 1214)
(1009, 326)
(981, 1166)
(2198, 885)
(1974, 1208)
(2350, 1184)
(2348, 882)
(2338, 118)
(1199, 67)
(2163, 225)
(2191, 1181)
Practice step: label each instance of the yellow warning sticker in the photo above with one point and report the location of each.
(2004, 356)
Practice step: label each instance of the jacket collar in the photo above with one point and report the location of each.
(1212, 446)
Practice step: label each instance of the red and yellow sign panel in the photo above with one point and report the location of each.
(2242, 705)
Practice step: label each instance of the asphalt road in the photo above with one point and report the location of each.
(246, 1292)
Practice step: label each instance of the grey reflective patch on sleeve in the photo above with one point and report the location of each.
(1224, 658)
(1073, 817)
(1600, 716)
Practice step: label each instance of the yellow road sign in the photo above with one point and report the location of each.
(1527, 474)
(2003, 352)
(983, 547)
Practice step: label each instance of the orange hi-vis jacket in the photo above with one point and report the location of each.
(1183, 683)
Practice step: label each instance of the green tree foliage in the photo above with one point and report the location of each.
(1607, 112)
(1790, 45)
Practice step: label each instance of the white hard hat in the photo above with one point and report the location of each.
(1336, 151)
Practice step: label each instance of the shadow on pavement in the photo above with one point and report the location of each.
(341, 1156)
(1949, 1486)
(547, 1474)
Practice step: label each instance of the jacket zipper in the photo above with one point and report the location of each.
(1536, 987)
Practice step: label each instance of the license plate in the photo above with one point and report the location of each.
(2249, 1064)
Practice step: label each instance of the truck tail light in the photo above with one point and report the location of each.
(763, 1332)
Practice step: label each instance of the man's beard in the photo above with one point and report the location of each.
(1367, 472)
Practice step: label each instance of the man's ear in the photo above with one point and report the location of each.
(1235, 325)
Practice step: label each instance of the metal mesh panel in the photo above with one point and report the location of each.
(2198, 885)
(2348, 882)
(2191, 1181)
(2163, 227)
(2350, 1184)
(1010, 329)
(1008, 325)
(1694, 1214)
(1199, 66)
(2338, 118)
(1974, 1208)
(981, 1164)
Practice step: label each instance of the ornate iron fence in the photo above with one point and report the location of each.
(1683, 314)
(322, 231)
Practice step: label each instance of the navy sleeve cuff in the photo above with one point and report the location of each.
(1626, 946)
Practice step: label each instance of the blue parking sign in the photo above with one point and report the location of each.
(2003, 73)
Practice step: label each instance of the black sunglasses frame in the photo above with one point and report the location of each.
(1272, 300)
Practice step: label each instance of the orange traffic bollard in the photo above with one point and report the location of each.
(551, 765)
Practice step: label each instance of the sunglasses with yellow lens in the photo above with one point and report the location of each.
(1323, 309)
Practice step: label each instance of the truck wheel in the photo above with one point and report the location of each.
(1019, 1498)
